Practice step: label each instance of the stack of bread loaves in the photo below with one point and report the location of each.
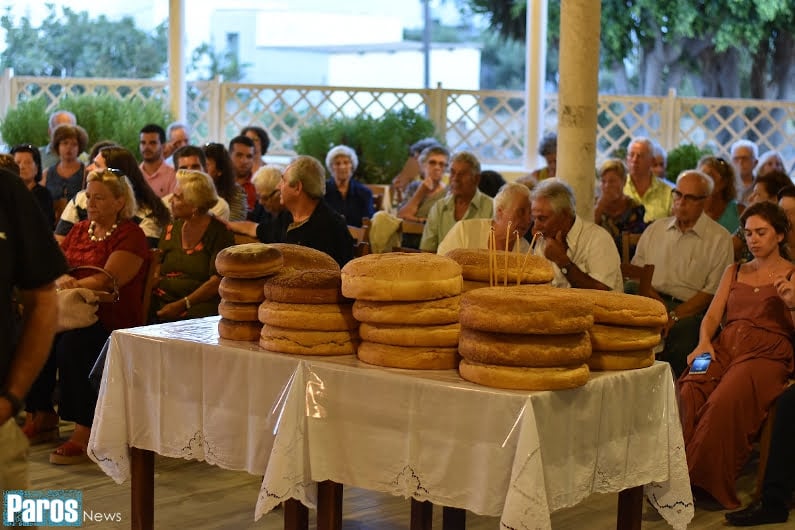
(244, 269)
(305, 313)
(525, 337)
(408, 308)
(626, 330)
(484, 268)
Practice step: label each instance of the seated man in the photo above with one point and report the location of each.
(582, 253)
(314, 224)
(511, 222)
(463, 201)
(642, 185)
(689, 252)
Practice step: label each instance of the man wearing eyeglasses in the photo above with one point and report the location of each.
(689, 252)
(744, 158)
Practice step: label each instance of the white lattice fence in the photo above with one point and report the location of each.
(53, 89)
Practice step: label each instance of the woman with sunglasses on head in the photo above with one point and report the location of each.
(151, 215)
(219, 167)
(28, 159)
(722, 205)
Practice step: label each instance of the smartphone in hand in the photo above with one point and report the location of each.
(700, 364)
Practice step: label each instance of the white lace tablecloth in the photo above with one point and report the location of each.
(175, 390)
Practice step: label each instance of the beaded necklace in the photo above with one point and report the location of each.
(94, 238)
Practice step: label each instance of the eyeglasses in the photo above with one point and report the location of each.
(678, 196)
(266, 196)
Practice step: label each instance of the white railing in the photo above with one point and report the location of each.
(489, 123)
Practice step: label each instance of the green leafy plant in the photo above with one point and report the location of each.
(103, 116)
(685, 156)
(380, 143)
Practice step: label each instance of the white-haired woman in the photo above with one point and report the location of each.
(344, 194)
(109, 239)
(270, 219)
(188, 286)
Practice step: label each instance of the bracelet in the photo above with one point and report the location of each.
(16, 403)
(187, 303)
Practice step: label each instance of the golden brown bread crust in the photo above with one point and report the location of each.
(625, 360)
(475, 266)
(612, 307)
(511, 349)
(251, 260)
(470, 285)
(242, 312)
(305, 258)
(398, 276)
(304, 342)
(317, 317)
(242, 290)
(430, 312)
(305, 287)
(441, 336)
(526, 309)
(521, 378)
(618, 338)
(419, 358)
(234, 330)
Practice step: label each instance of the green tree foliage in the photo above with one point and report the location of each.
(73, 45)
(684, 156)
(381, 144)
(104, 117)
(208, 63)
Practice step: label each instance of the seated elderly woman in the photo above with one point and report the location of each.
(151, 215)
(188, 286)
(768, 162)
(615, 211)
(345, 194)
(511, 222)
(723, 408)
(271, 218)
(28, 158)
(722, 205)
(422, 194)
(64, 179)
(111, 240)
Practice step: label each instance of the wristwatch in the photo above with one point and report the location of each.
(16, 403)
(673, 316)
(565, 268)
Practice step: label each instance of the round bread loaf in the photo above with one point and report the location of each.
(430, 312)
(527, 267)
(305, 287)
(612, 307)
(412, 358)
(526, 309)
(305, 342)
(251, 260)
(242, 312)
(521, 378)
(315, 317)
(234, 330)
(397, 276)
(617, 338)
(470, 285)
(625, 360)
(513, 349)
(242, 290)
(441, 336)
(305, 258)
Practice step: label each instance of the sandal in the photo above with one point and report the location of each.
(37, 433)
(69, 453)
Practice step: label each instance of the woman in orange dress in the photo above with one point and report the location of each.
(723, 409)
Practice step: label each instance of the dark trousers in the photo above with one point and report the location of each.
(779, 483)
(682, 338)
(71, 358)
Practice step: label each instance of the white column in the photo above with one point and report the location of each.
(177, 88)
(579, 90)
(535, 71)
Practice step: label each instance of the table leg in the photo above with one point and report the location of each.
(329, 505)
(454, 518)
(296, 515)
(630, 508)
(421, 515)
(142, 494)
